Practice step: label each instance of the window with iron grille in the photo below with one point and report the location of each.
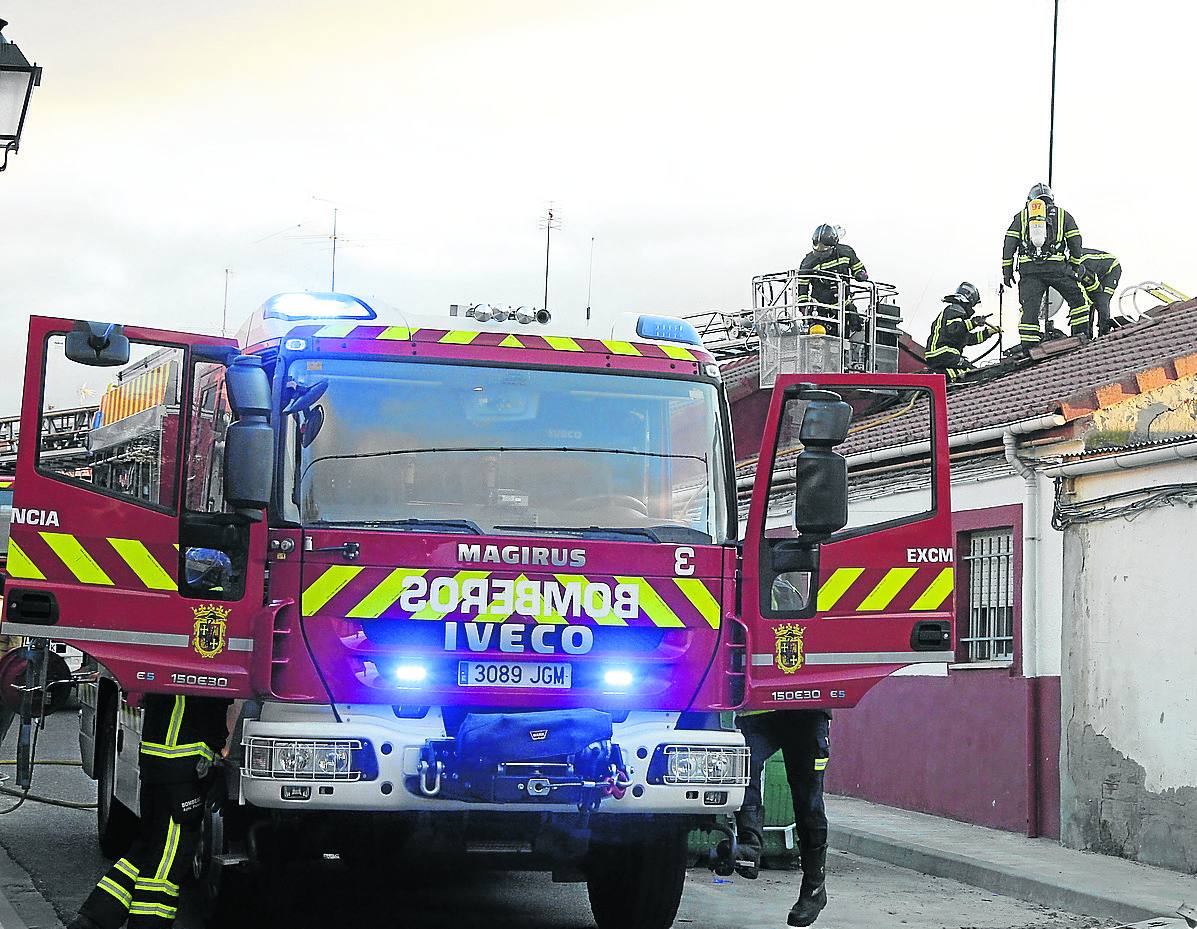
(988, 621)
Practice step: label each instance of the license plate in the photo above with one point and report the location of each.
(514, 674)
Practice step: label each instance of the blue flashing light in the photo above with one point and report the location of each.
(411, 673)
(667, 330)
(618, 677)
(301, 306)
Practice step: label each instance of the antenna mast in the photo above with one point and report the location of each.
(548, 223)
(590, 278)
(224, 314)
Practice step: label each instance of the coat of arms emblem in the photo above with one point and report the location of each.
(211, 629)
(787, 647)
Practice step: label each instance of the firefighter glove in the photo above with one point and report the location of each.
(1008, 277)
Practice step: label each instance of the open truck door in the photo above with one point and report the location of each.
(840, 592)
(129, 540)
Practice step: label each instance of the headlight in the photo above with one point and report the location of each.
(310, 759)
(700, 764)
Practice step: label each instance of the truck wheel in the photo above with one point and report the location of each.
(637, 883)
(116, 825)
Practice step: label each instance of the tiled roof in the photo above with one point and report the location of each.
(1067, 378)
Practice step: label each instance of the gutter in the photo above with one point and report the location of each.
(1124, 461)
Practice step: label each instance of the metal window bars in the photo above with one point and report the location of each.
(989, 623)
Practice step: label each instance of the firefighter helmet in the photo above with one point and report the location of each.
(966, 295)
(1041, 192)
(825, 236)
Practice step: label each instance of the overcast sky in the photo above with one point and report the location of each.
(698, 143)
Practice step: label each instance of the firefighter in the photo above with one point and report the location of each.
(953, 329)
(1100, 274)
(181, 738)
(1043, 235)
(829, 259)
(803, 737)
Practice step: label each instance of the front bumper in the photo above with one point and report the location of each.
(397, 745)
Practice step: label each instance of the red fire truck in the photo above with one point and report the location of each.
(481, 581)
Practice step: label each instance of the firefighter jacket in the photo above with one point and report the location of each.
(1099, 264)
(952, 330)
(839, 259)
(1063, 240)
(180, 736)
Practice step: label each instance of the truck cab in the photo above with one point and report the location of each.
(481, 583)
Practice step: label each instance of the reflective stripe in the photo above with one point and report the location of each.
(397, 334)
(327, 586)
(700, 598)
(679, 352)
(176, 721)
(458, 337)
(610, 619)
(562, 343)
(653, 606)
(19, 564)
(76, 558)
(431, 611)
(934, 596)
(127, 868)
(162, 887)
(168, 853)
(821, 764)
(889, 587)
(855, 658)
(153, 909)
(110, 886)
(379, 600)
(187, 750)
(510, 341)
(82, 634)
(143, 564)
(620, 348)
(836, 586)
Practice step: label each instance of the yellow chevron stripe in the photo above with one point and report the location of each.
(677, 351)
(77, 559)
(620, 348)
(143, 564)
(836, 586)
(562, 343)
(889, 587)
(397, 333)
(108, 885)
(327, 586)
(379, 600)
(432, 612)
(700, 597)
(939, 591)
(609, 620)
(651, 603)
(511, 342)
(335, 330)
(20, 565)
(458, 337)
(492, 613)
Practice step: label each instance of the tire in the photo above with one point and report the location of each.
(638, 883)
(116, 826)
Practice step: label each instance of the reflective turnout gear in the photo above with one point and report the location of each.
(1100, 273)
(1031, 290)
(1046, 264)
(1062, 236)
(953, 330)
(803, 737)
(180, 737)
(838, 261)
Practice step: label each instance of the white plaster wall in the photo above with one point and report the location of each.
(1138, 632)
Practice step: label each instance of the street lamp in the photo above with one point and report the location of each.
(17, 80)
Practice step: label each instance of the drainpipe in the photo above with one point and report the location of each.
(1030, 618)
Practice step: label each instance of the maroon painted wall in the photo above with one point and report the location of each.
(952, 746)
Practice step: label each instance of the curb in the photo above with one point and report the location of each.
(990, 876)
(8, 916)
(17, 890)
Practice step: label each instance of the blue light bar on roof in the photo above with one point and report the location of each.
(667, 330)
(316, 306)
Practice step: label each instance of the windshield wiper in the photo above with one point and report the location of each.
(451, 525)
(581, 530)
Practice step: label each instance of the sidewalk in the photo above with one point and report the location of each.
(21, 906)
(1037, 870)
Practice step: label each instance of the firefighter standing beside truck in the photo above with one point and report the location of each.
(181, 738)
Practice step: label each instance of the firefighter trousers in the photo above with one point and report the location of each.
(803, 736)
(1101, 297)
(1032, 287)
(952, 365)
(143, 886)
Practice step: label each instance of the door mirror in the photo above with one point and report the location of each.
(248, 387)
(100, 345)
(248, 464)
(821, 475)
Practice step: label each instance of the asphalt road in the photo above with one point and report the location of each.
(56, 848)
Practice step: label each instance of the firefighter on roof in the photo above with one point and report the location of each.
(955, 328)
(1043, 236)
(1100, 274)
(828, 260)
(181, 737)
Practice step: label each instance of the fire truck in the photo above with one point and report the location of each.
(480, 580)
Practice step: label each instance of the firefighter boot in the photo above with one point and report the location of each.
(813, 895)
(750, 842)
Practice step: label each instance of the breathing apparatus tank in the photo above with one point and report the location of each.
(1037, 223)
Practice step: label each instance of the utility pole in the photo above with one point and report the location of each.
(1051, 134)
(590, 278)
(333, 286)
(548, 223)
(224, 314)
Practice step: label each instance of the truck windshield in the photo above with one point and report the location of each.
(464, 448)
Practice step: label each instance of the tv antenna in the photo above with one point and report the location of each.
(548, 223)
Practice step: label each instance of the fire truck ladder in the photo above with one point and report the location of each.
(1162, 293)
(809, 323)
